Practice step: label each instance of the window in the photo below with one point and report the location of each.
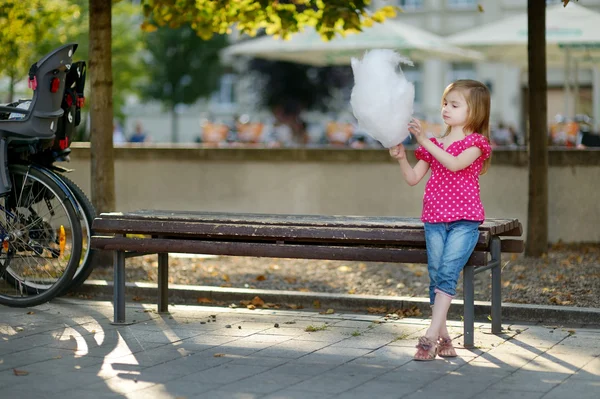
(461, 70)
(415, 76)
(225, 94)
(408, 5)
(462, 3)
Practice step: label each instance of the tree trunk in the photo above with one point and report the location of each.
(174, 125)
(537, 212)
(11, 88)
(101, 106)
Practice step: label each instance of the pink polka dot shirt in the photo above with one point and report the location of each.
(451, 196)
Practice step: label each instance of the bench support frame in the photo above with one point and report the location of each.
(468, 286)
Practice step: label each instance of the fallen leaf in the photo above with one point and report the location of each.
(382, 309)
(328, 311)
(344, 269)
(218, 355)
(20, 372)
(352, 291)
(136, 299)
(480, 8)
(30, 312)
(251, 307)
(256, 301)
(290, 280)
(204, 300)
(225, 277)
(317, 304)
(260, 278)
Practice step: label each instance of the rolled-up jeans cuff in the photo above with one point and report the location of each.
(438, 291)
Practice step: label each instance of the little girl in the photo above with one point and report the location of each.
(452, 209)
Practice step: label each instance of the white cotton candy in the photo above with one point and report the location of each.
(382, 99)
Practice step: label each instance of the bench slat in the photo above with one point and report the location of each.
(512, 246)
(269, 232)
(330, 252)
(516, 231)
(381, 222)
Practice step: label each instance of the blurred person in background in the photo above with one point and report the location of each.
(139, 135)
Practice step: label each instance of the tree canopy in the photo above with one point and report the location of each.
(29, 29)
(278, 18)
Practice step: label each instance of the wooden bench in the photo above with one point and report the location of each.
(350, 238)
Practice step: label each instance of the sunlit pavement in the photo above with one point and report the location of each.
(70, 349)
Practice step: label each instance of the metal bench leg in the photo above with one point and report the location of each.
(163, 282)
(469, 305)
(496, 287)
(119, 287)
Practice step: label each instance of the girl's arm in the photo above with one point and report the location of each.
(411, 175)
(451, 162)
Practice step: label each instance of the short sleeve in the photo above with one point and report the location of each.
(481, 142)
(422, 154)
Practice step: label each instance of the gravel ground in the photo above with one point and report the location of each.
(569, 276)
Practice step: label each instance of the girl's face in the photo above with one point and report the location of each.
(454, 109)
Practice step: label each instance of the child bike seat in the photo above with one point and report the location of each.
(47, 79)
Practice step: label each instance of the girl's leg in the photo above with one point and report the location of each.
(459, 244)
(435, 239)
(427, 346)
(438, 316)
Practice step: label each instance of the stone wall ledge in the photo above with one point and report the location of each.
(557, 156)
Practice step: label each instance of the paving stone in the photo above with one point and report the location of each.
(224, 374)
(535, 381)
(292, 349)
(70, 349)
(491, 393)
(332, 384)
(378, 389)
(335, 356)
(575, 388)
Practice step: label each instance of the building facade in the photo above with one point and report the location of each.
(508, 83)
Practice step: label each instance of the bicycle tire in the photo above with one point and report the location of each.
(88, 255)
(38, 256)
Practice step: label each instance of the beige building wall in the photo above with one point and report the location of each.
(337, 182)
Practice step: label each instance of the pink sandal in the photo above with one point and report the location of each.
(426, 350)
(445, 348)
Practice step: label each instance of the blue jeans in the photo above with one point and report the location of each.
(449, 246)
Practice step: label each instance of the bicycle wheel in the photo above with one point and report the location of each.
(88, 214)
(41, 239)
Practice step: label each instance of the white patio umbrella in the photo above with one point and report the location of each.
(572, 36)
(571, 31)
(308, 48)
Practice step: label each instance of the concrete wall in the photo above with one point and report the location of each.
(336, 181)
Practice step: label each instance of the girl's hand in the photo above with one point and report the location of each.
(398, 152)
(414, 127)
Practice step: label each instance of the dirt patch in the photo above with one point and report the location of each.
(568, 276)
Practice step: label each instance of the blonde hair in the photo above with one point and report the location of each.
(477, 96)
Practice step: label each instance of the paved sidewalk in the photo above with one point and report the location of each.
(68, 349)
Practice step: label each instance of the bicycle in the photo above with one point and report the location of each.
(45, 218)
